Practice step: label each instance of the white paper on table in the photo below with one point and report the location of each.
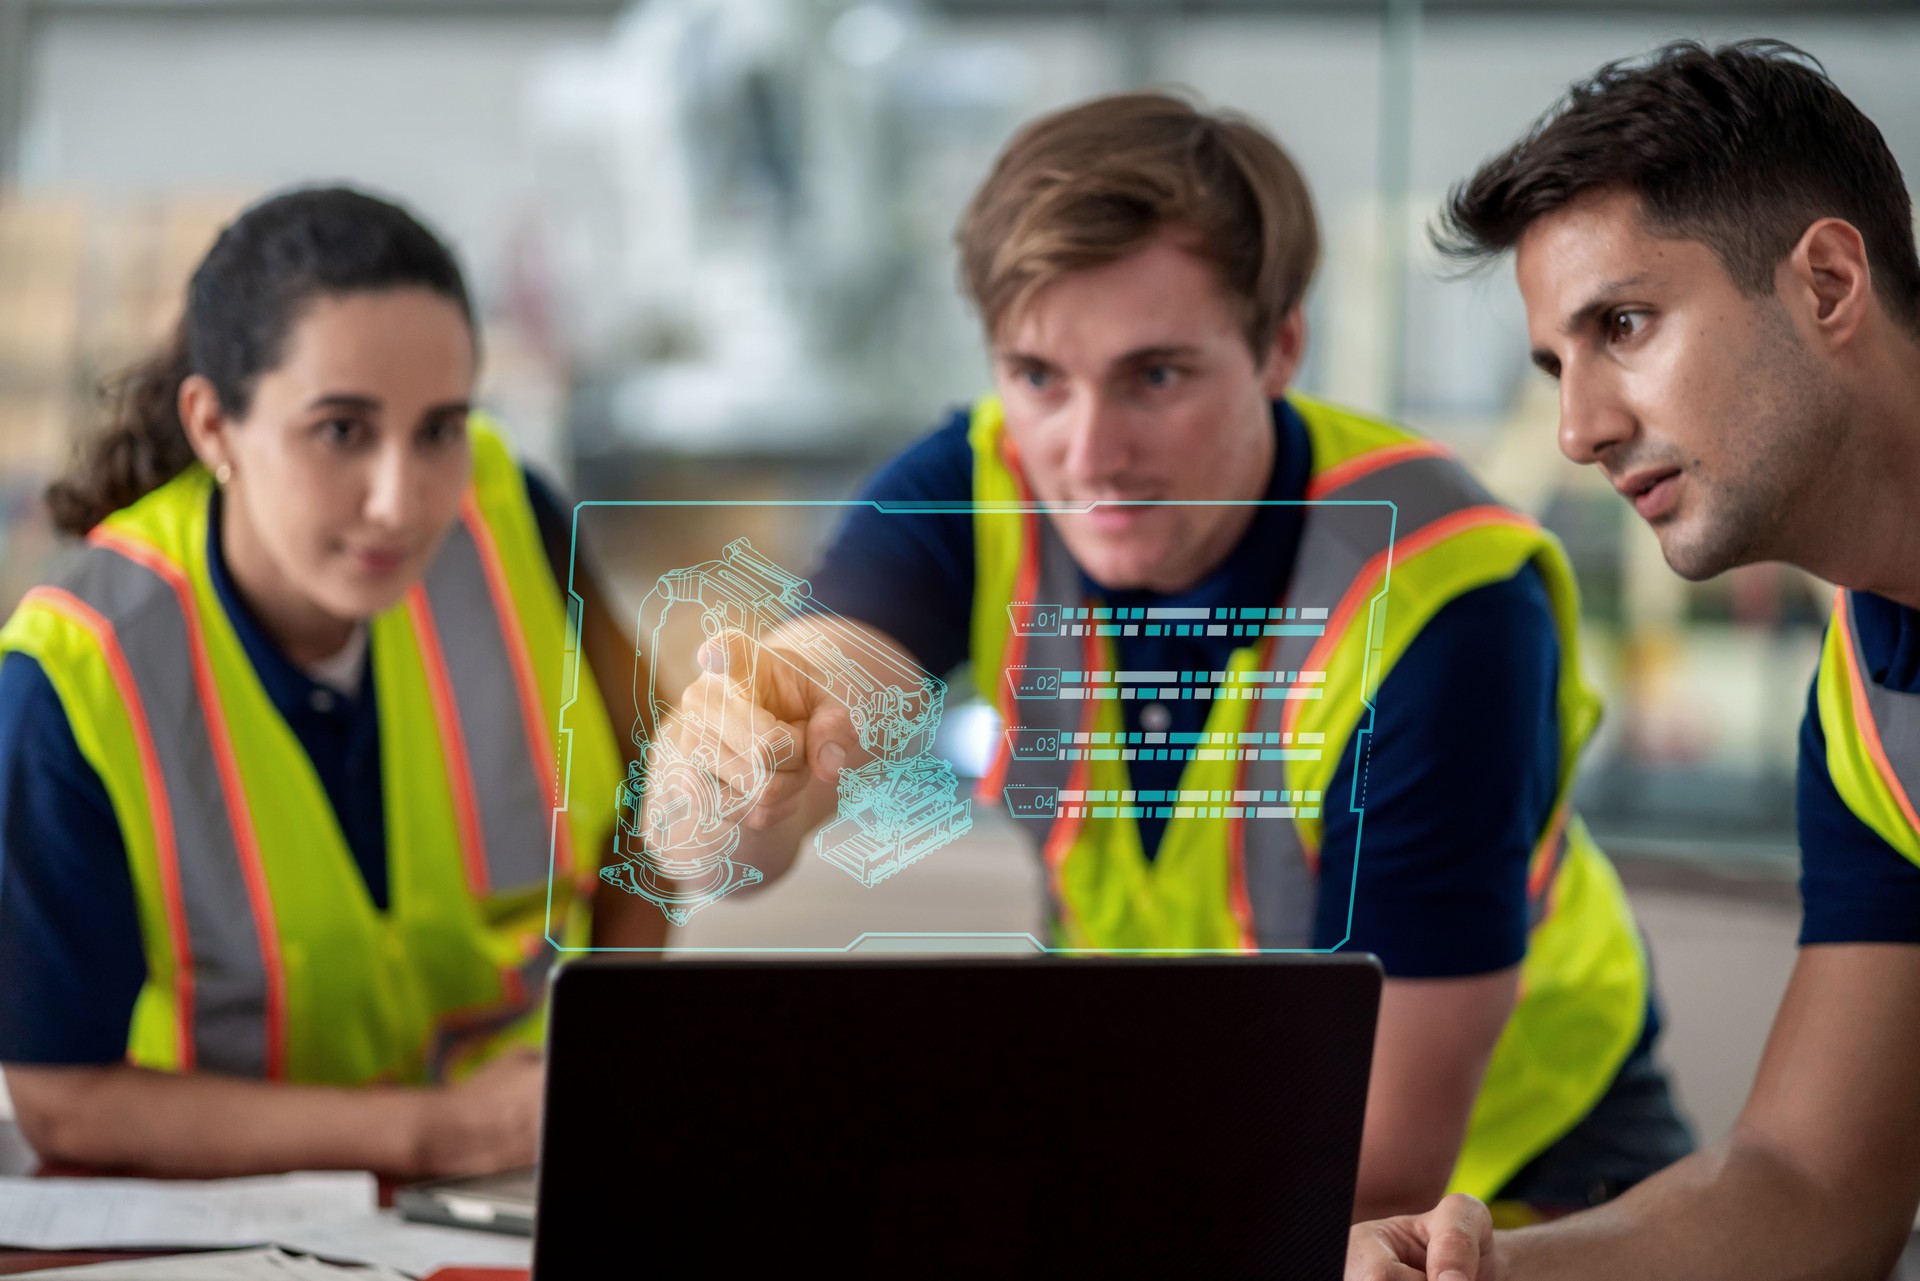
(79, 1214)
(413, 1248)
(269, 1264)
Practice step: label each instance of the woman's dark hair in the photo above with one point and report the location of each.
(263, 270)
(1741, 148)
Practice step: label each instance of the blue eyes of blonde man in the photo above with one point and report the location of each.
(1155, 377)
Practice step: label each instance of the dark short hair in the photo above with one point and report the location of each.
(1742, 148)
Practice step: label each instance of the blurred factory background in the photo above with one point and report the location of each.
(711, 241)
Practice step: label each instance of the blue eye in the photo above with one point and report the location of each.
(444, 431)
(1036, 378)
(1160, 377)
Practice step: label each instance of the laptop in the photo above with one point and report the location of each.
(903, 1119)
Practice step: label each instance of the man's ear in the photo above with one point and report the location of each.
(1826, 281)
(1284, 352)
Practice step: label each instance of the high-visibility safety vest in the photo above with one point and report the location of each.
(1397, 531)
(265, 955)
(1872, 733)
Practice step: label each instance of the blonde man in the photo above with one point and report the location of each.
(1140, 264)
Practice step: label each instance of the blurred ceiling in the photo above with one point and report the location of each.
(1000, 8)
(1427, 8)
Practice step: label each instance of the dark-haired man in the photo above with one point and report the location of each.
(1717, 255)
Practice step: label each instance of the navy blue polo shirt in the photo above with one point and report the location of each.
(1465, 761)
(1854, 887)
(71, 962)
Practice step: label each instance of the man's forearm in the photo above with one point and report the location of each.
(1735, 1209)
(626, 922)
(1430, 1054)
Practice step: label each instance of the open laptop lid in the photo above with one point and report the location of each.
(1058, 1118)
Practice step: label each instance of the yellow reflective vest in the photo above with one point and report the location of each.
(1872, 733)
(1397, 529)
(265, 955)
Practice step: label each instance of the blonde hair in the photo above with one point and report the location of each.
(1088, 185)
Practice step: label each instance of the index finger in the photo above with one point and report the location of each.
(759, 672)
(727, 656)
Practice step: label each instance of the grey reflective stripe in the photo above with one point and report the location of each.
(1338, 542)
(1425, 488)
(1896, 716)
(1282, 889)
(229, 1032)
(508, 784)
(1348, 527)
(1344, 530)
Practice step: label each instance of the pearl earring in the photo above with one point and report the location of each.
(222, 474)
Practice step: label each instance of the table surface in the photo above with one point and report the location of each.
(16, 1158)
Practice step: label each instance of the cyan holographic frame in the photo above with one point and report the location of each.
(921, 941)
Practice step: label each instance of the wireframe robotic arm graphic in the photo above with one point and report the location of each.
(682, 803)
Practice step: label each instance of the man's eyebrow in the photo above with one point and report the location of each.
(1013, 356)
(1159, 351)
(1601, 299)
(1137, 356)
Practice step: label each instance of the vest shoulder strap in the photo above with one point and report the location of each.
(1399, 528)
(1872, 733)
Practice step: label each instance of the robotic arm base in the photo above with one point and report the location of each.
(679, 900)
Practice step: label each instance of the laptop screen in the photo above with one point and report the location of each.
(1066, 1118)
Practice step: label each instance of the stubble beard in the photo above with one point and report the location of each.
(1793, 427)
